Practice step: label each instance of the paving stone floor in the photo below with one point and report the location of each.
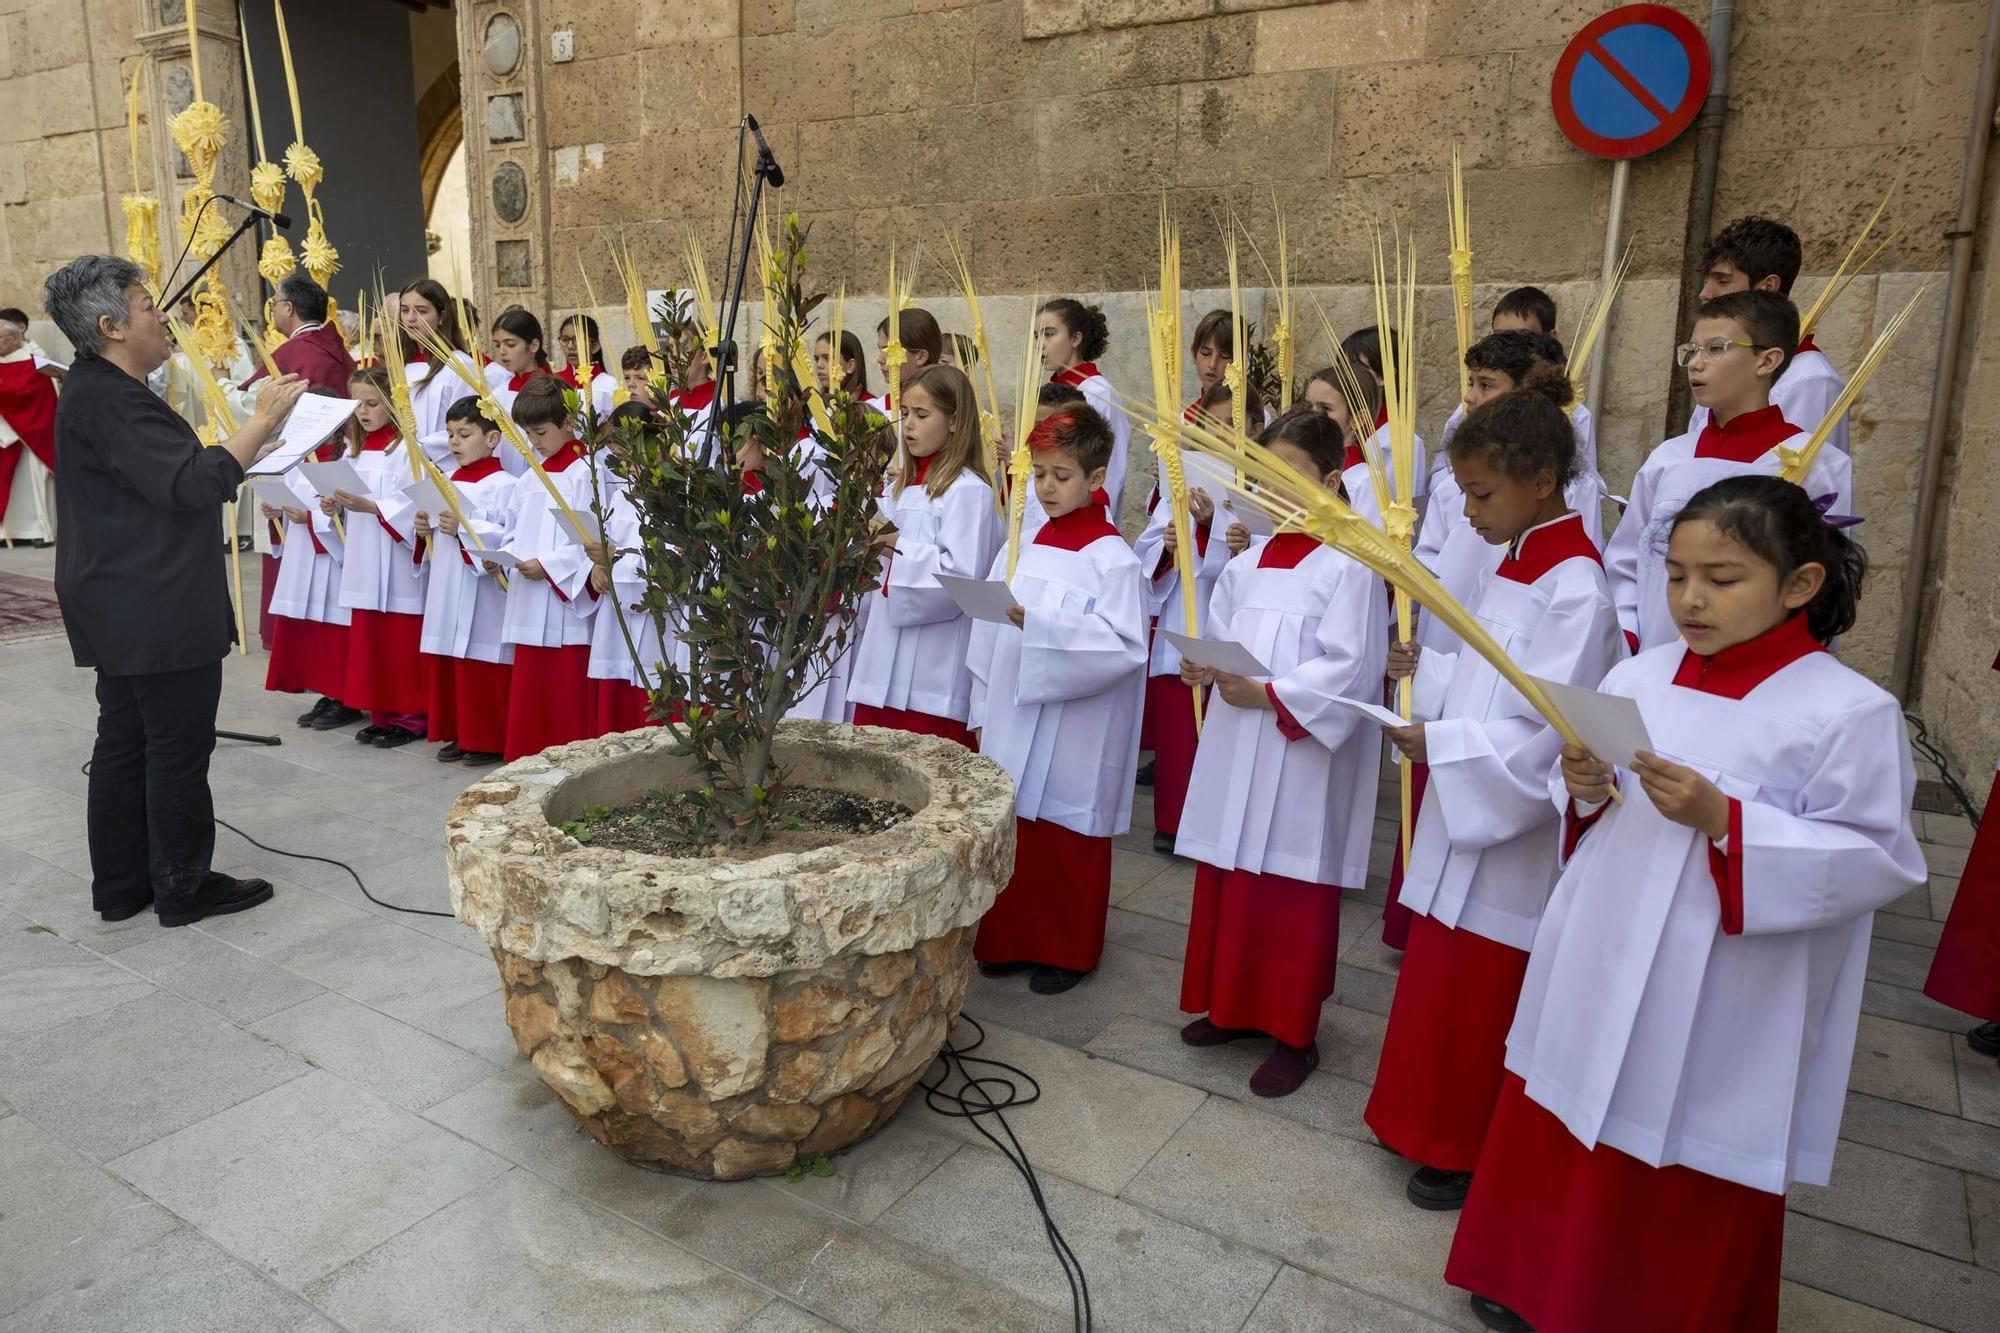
(311, 1115)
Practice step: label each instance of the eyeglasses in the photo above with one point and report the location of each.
(1714, 348)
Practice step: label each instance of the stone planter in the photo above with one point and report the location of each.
(721, 1017)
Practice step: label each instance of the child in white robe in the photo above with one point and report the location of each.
(518, 356)
(1681, 1050)
(549, 597)
(923, 346)
(908, 670)
(603, 388)
(468, 665)
(1281, 804)
(309, 625)
(1072, 336)
(427, 305)
(1483, 855)
(1057, 697)
(1742, 342)
(382, 574)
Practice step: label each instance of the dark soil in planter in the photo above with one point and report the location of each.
(803, 818)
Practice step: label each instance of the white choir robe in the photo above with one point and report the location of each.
(504, 394)
(1805, 392)
(1057, 702)
(1102, 395)
(431, 398)
(381, 571)
(1642, 1024)
(464, 606)
(603, 391)
(1483, 856)
(1636, 556)
(309, 576)
(1305, 808)
(1461, 559)
(911, 656)
(827, 700)
(1163, 592)
(496, 376)
(611, 656)
(1361, 487)
(536, 616)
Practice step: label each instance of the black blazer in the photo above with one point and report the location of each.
(140, 570)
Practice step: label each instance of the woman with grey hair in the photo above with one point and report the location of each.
(140, 577)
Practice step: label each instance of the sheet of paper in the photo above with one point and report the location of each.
(1373, 712)
(499, 557)
(48, 365)
(314, 417)
(1218, 654)
(1242, 509)
(1609, 724)
(273, 491)
(339, 475)
(982, 599)
(426, 496)
(585, 530)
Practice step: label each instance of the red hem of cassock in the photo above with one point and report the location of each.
(384, 668)
(290, 668)
(1261, 952)
(1446, 1049)
(908, 719)
(1175, 739)
(479, 690)
(1396, 917)
(326, 669)
(1579, 1240)
(548, 700)
(619, 705)
(267, 624)
(1965, 973)
(1054, 907)
(441, 690)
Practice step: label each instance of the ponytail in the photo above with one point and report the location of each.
(1087, 320)
(1785, 527)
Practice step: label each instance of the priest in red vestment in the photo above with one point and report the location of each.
(27, 408)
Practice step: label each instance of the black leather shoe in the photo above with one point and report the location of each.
(1002, 969)
(126, 911)
(1054, 980)
(1163, 843)
(1145, 775)
(219, 896)
(1498, 1317)
(450, 754)
(1439, 1191)
(315, 713)
(1201, 1032)
(336, 717)
(369, 735)
(392, 737)
(480, 758)
(1985, 1039)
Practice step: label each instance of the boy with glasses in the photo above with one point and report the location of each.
(1742, 343)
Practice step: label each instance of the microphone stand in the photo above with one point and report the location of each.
(724, 351)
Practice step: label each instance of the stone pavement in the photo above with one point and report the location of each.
(312, 1116)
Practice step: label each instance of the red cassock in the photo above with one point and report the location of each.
(1443, 1056)
(384, 668)
(909, 719)
(28, 402)
(294, 643)
(1054, 907)
(480, 694)
(548, 699)
(441, 697)
(1965, 973)
(618, 705)
(1170, 708)
(1396, 917)
(1575, 1243)
(1261, 952)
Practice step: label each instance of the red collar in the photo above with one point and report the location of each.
(1806, 344)
(1286, 550)
(1747, 437)
(695, 399)
(1074, 376)
(1381, 416)
(563, 457)
(752, 484)
(1541, 549)
(568, 374)
(1193, 409)
(477, 470)
(920, 469)
(1737, 670)
(1355, 458)
(416, 354)
(378, 441)
(1076, 529)
(516, 383)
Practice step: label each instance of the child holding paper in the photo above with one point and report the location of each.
(1058, 695)
(382, 575)
(1483, 854)
(467, 665)
(1681, 1050)
(908, 670)
(309, 625)
(1742, 343)
(549, 598)
(1281, 805)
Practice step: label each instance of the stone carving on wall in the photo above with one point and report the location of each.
(510, 192)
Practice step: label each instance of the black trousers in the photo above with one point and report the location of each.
(152, 821)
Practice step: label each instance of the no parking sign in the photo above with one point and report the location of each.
(1631, 81)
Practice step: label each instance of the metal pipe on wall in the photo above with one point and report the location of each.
(1971, 189)
(1701, 195)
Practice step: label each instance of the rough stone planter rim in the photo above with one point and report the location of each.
(532, 890)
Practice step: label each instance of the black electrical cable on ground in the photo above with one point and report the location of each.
(958, 1104)
(323, 860)
(1921, 743)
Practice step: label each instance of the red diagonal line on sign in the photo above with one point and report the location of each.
(1627, 81)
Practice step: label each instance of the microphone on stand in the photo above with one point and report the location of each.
(767, 163)
(283, 221)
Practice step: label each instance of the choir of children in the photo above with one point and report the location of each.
(1616, 1087)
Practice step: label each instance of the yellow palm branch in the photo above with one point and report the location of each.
(1461, 267)
(1849, 270)
(1600, 315)
(1020, 468)
(1797, 463)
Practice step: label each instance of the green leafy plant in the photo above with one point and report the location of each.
(763, 584)
(809, 1164)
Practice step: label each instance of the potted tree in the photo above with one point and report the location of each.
(733, 940)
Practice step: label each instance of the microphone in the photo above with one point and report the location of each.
(283, 221)
(773, 173)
